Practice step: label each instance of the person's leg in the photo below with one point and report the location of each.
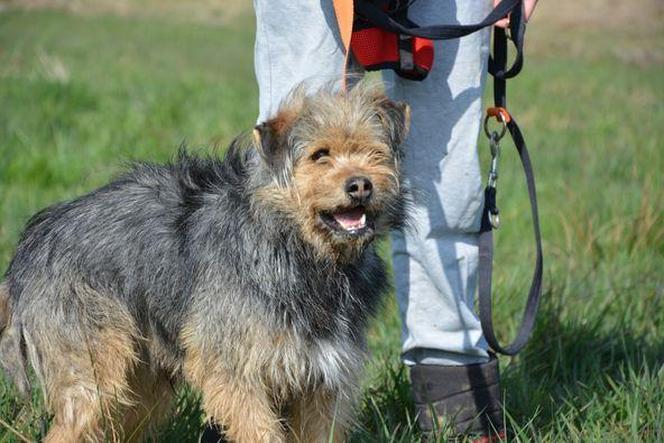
(296, 41)
(435, 263)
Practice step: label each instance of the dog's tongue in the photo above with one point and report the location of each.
(351, 219)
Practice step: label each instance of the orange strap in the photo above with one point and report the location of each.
(343, 9)
(499, 113)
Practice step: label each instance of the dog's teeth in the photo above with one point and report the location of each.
(352, 219)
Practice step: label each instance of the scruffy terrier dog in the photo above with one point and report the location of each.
(251, 278)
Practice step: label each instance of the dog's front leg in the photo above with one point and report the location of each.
(319, 415)
(244, 412)
(241, 408)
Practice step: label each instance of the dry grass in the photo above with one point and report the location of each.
(206, 11)
(631, 31)
(609, 15)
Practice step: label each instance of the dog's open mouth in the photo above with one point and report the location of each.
(353, 221)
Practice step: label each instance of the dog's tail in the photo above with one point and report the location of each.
(12, 349)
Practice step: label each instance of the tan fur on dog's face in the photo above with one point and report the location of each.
(325, 147)
(319, 181)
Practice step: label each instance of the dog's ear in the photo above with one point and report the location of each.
(395, 117)
(265, 142)
(271, 136)
(271, 144)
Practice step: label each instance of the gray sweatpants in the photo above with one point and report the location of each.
(435, 264)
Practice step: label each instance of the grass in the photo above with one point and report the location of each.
(81, 94)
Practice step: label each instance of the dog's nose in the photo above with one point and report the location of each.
(359, 188)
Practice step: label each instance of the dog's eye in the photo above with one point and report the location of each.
(320, 154)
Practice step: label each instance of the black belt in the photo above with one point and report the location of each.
(498, 69)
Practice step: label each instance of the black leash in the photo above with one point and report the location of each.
(490, 221)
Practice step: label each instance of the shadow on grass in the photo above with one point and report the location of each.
(572, 366)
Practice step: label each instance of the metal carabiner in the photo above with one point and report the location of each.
(504, 118)
(495, 157)
(492, 180)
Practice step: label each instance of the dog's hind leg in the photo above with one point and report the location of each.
(82, 346)
(5, 310)
(12, 351)
(152, 394)
(88, 389)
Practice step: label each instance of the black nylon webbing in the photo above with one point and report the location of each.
(382, 19)
(499, 71)
(374, 14)
(485, 265)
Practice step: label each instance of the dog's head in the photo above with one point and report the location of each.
(333, 159)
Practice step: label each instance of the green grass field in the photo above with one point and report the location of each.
(84, 91)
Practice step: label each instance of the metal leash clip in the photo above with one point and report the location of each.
(503, 117)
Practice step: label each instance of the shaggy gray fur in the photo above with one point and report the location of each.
(176, 242)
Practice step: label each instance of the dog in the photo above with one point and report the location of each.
(250, 278)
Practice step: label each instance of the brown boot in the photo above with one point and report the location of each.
(466, 399)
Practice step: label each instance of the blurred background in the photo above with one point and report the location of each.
(89, 85)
